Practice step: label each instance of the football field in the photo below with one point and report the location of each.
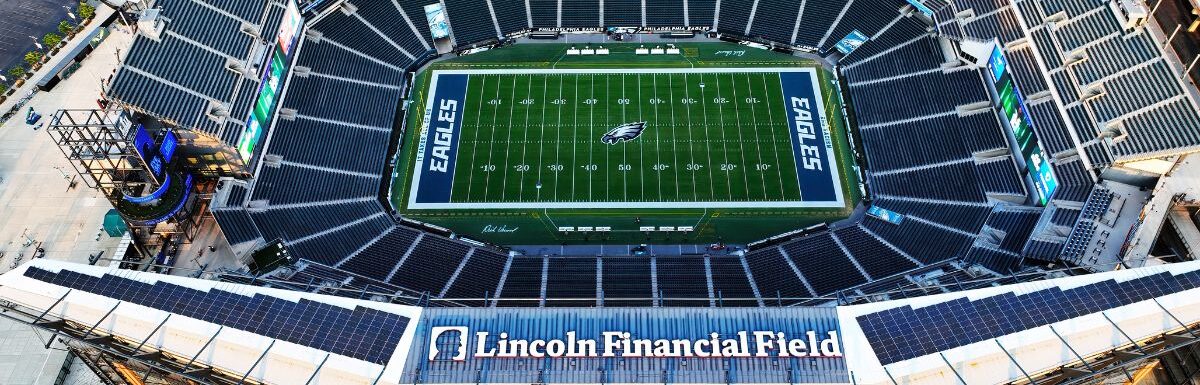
(610, 138)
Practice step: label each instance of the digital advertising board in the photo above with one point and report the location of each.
(271, 84)
(435, 15)
(1012, 105)
(852, 41)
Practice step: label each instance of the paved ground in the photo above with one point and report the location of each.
(20, 19)
(37, 207)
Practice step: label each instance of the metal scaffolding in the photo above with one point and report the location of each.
(99, 145)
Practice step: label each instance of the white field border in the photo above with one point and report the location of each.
(419, 163)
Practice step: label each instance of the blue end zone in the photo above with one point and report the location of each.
(810, 145)
(439, 145)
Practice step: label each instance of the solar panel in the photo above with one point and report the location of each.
(903, 333)
(367, 334)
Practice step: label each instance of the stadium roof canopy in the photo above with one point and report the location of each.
(991, 335)
(191, 64)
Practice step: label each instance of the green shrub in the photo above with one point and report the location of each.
(51, 40)
(86, 11)
(33, 57)
(65, 27)
(16, 72)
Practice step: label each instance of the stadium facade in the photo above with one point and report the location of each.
(1067, 330)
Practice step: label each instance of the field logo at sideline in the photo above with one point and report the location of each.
(624, 133)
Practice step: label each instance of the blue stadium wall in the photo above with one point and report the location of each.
(449, 356)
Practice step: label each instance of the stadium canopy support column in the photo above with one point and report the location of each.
(1114, 324)
(1176, 319)
(153, 332)
(889, 374)
(1014, 361)
(318, 369)
(256, 362)
(93, 328)
(203, 348)
(47, 311)
(54, 332)
(1072, 349)
(951, 366)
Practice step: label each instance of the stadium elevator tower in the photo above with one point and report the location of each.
(129, 159)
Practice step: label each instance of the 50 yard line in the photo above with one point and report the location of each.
(624, 156)
(558, 131)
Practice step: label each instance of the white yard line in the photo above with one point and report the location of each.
(707, 139)
(487, 179)
(558, 144)
(778, 162)
(592, 146)
(691, 153)
(641, 145)
(657, 137)
(624, 149)
(474, 146)
(512, 106)
(724, 141)
(608, 151)
(737, 114)
(542, 140)
(757, 139)
(674, 137)
(525, 141)
(574, 146)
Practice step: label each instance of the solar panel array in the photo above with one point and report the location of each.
(903, 333)
(362, 333)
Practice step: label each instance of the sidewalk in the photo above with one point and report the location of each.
(36, 204)
(102, 13)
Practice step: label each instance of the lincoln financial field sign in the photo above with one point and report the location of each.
(756, 343)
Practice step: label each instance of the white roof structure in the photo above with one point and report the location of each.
(1029, 331)
(277, 360)
(1084, 317)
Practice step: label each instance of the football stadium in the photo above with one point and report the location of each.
(608, 192)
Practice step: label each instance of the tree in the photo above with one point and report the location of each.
(86, 11)
(17, 72)
(33, 57)
(51, 40)
(65, 27)
(3, 88)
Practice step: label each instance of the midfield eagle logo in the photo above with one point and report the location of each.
(624, 133)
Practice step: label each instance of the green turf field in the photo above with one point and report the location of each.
(714, 154)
